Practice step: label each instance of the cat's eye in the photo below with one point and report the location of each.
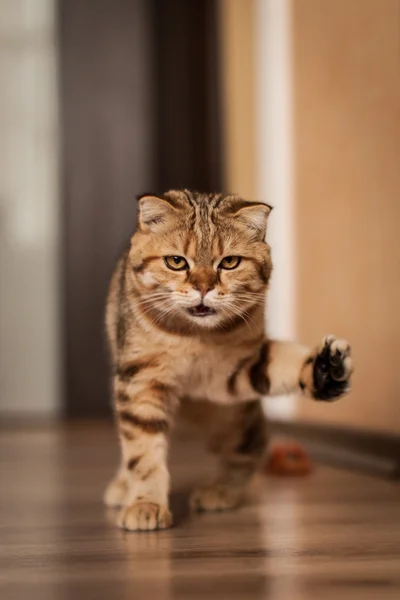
(176, 263)
(229, 262)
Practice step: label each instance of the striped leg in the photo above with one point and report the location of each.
(143, 408)
(286, 367)
(144, 454)
(240, 441)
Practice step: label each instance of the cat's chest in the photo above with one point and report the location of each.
(206, 377)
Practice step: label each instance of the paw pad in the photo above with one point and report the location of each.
(332, 369)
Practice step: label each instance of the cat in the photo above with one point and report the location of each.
(185, 324)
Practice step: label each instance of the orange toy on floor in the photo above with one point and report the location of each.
(288, 458)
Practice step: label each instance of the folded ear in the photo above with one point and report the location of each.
(155, 212)
(253, 215)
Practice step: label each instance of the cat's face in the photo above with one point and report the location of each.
(201, 258)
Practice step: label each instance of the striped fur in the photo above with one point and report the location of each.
(166, 356)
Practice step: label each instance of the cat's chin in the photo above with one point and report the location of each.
(205, 322)
(206, 319)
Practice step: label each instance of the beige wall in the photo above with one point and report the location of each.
(238, 88)
(346, 60)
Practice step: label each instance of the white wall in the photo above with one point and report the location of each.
(274, 176)
(29, 346)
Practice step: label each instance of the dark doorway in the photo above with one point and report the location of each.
(139, 112)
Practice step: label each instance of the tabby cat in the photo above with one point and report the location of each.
(185, 322)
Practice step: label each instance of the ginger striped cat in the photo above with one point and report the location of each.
(185, 323)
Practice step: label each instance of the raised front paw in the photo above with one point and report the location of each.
(326, 374)
(144, 516)
(332, 369)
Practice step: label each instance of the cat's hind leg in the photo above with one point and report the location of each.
(117, 491)
(240, 440)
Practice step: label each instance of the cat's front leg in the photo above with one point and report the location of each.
(143, 413)
(323, 373)
(286, 367)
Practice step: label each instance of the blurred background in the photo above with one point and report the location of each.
(295, 102)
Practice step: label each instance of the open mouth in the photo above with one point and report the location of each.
(201, 310)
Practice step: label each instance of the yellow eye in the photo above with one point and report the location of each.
(176, 263)
(229, 262)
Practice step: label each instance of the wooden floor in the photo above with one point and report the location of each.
(332, 535)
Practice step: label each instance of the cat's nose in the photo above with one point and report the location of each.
(203, 280)
(203, 288)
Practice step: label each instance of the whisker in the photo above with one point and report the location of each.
(244, 315)
(153, 300)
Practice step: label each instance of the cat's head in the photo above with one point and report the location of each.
(200, 258)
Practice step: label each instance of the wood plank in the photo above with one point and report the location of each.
(332, 534)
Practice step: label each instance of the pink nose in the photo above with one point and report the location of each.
(203, 289)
